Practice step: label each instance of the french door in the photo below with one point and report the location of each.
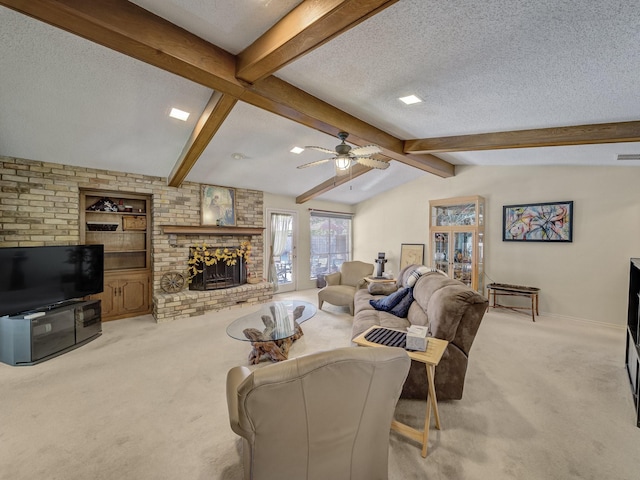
(281, 249)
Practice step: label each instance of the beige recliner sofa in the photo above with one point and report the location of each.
(322, 416)
(451, 310)
(341, 286)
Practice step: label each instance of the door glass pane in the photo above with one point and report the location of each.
(441, 251)
(330, 243)
(464, 214)
(283, 257)
(462, 255)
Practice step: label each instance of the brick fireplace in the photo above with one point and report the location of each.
(179, 233)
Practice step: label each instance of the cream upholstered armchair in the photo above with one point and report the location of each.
(341, 286)
(322, 416)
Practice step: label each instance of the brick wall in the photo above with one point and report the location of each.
(39, 205)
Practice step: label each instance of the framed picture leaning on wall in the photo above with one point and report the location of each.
(538, 222)
(218, 205)
(411, 253)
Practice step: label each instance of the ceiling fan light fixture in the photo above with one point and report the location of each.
(343, 163)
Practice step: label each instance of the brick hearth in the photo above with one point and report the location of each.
(189, 303)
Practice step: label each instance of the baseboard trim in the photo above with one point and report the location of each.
(584, 320)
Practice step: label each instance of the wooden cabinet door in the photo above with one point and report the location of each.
(134, 294)
(124, 295)
(108, 298)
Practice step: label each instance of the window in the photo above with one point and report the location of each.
(330, 242)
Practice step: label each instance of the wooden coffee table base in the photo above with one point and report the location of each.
(275, 350)
(263, 343)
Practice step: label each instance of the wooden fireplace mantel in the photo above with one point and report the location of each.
(210, 230)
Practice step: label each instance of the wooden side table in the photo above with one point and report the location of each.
(379, 280)
(431, 357)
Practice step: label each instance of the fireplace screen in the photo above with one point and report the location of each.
(219, 275)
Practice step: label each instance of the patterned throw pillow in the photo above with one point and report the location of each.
(387, 303)
(416, 274)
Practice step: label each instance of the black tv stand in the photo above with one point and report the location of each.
(46, 332)
(54, 306)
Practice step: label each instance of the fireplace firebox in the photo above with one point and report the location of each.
(218, 275)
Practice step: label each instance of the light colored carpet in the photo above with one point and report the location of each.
(545, 400)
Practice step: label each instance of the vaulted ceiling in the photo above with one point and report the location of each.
(552, 82)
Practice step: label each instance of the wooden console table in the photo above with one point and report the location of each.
(503, 289)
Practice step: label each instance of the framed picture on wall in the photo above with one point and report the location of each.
(411, 253)
(538, 222)
(218, 205)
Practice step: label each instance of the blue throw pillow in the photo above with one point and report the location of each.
(402, 308)
(387, 303)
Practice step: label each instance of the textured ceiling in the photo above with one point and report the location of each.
(479, 66)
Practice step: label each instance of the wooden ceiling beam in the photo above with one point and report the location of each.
(214, 114)
(333, 182)
(129, 29)
(282, 98)
(306, 27)
(133, 31)
(541, 137)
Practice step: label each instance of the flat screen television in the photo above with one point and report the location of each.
(33, 278)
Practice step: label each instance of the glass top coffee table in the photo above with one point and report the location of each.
(272, 329)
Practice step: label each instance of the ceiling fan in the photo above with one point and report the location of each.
(345, 156)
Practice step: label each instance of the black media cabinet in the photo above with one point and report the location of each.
(632, 357)
(38, 335)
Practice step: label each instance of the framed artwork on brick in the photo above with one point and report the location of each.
(218, 205)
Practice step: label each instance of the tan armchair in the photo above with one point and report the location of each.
(322, 416)
(341, 286)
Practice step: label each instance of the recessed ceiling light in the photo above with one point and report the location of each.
(410, 99)
(179, 114)
(238, 156)
(297, 150)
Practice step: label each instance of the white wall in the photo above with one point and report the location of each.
(304, 236)
(587, 278)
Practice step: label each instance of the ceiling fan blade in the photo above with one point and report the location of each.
(321, 149)
(365, 151)
(317, 162)
(372, 162)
